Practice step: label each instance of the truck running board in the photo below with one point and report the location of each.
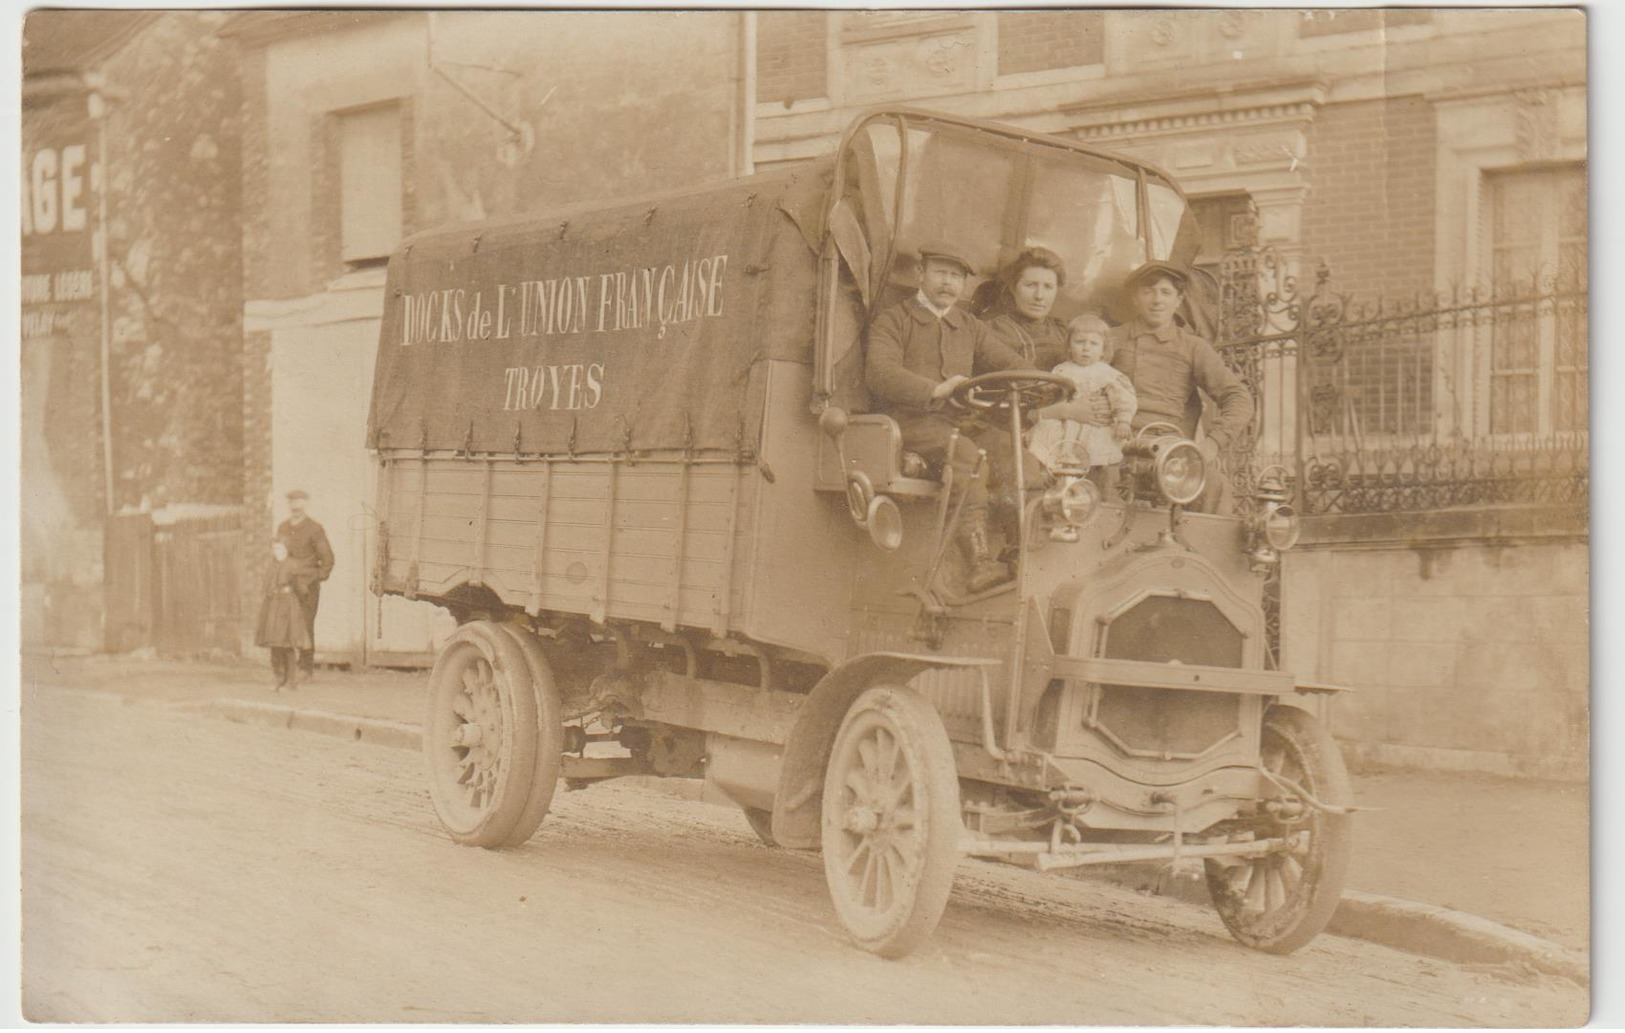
(1047, 856)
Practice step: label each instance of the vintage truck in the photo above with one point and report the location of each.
(628, 448)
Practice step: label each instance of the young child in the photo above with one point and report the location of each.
(282, 618)
(1066, 438)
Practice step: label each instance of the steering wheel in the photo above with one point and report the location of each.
(1158, 429)
(995, 392)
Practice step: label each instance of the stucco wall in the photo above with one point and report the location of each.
(1464, 654)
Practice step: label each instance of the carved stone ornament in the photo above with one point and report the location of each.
(1536, 124)
(876, 72)
(1163, 33)
(943, 55)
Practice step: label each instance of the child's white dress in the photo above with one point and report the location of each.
(1073, 442)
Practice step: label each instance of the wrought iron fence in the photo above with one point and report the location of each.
(1468, 397)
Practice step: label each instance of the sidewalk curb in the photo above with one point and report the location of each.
(374, 731)
(1406, 925)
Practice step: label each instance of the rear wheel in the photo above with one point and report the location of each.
(1281, 901)
(891, 821)
(479, 735)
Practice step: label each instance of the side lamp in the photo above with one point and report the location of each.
(1274, 527)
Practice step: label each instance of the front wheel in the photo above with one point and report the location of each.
(1282, 900)
(891, 821)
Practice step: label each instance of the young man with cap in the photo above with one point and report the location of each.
(307, 545)
(919, 350)
(1171, 368)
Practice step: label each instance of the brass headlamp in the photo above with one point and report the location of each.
(1167, 464)
(1274, 526)
(1071, 501)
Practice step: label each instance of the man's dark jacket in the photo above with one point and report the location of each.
(911, 351)
(307, 543)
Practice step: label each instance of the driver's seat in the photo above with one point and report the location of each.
(872, 445)
(870, 449)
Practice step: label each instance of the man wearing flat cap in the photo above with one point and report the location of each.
(1171, 368)
(918, 351)
(307, 543)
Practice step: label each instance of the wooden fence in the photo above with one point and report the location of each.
(174, 579)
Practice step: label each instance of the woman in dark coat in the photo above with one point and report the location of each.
(1018, 312)
(282, 626)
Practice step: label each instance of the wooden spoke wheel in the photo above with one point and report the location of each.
(1282, 900)
(891, 821)
(480, 735)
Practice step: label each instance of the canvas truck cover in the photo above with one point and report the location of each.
(638, 326)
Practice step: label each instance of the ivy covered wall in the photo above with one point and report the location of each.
(175, 249)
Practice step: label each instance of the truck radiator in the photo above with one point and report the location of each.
(1169, 723)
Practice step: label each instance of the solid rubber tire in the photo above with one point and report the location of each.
(929, 757)
(1327, 779)
(549, 737)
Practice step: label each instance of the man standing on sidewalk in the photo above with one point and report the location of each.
(307, 543)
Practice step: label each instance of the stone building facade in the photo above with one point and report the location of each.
(364, 127)
(1421, 155)
(276, 157)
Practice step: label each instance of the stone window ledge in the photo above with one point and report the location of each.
(1479, 526)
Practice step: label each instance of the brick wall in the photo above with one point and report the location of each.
(1370, 208)
(1032, 41)
(790, 55)
(256, 173)
(1463, 656)
(258, 517)
(325, 262)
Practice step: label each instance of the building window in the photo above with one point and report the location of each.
(1036, 41)
(791, 55)
(370, 186)
(1228, 222)
(1537, 243)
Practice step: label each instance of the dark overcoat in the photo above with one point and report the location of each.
(282, 621)
(911, 351)
(307, 544)
(1041, 341)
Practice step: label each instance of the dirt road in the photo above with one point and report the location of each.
(178, 869)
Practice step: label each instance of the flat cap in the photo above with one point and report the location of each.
(948, 253)
(298, 493)
(1154, 270)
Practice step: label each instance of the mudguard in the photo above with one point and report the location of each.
(800, 796)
